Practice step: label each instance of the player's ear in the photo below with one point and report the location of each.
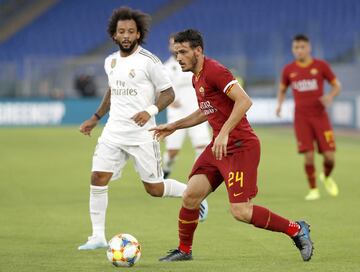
(138, 35)
(198, 50)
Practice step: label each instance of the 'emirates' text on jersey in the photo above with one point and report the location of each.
(134, 82)
(307, 84)
(212, 85)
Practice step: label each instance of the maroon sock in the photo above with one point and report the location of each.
(265, 219)
(328, 167)
(188, 220)
(310, 173)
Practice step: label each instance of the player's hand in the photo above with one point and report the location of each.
(278, 111)
(141, 118)
(87, 126)
(326, 100)
(161, 131)
(219, 147)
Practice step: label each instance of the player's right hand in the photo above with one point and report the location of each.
(161, 131)
(87, 126)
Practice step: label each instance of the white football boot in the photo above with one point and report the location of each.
(94, 242)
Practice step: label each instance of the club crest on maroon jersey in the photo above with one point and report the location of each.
(314, 71)
(202, 91)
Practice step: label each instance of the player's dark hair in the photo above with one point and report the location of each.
(141, 19)
(301, 37)
(190, 35)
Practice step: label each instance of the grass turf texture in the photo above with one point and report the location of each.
(44, 188)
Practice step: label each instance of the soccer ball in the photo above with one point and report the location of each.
(123, 250)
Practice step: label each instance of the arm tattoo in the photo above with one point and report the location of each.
(165, 98)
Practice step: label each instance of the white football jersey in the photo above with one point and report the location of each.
(183, 88)
(134, 81)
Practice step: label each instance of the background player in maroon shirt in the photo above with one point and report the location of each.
(232, 156)
(306, 77)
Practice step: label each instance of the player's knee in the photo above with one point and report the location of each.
(329, 158)
(309, 158)
(155, 190)
(191, 200)
(100, 179)
(241, 212)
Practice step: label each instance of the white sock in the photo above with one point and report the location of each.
(98, 205)
(198, 151)
(173, 188)
(167, 162)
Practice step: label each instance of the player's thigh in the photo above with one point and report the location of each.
(207, 165)
(147, 160)
(324, 133)
(304, 133)
(108, 159)
(174, 141)
(199, 135)
(196, 191)
(240, 174)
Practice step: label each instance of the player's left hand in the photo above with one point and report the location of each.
(141, 118)
(219, 147)
(326, 100)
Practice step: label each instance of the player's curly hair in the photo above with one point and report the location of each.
(141, 19)
(192, 36)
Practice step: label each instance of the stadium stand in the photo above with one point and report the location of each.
(252, 36)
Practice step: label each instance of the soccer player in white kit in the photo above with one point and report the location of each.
(185, 103)
(136, 77)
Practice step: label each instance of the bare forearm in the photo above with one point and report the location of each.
(165, 99)
(281, 94)
(197, 117)
(335, 88)
(105, 104)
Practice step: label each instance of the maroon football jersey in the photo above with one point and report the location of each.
(307, 83)
(211, 85)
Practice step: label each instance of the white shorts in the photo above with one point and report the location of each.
(199, 136)
(111, 158)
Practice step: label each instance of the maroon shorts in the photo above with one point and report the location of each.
(310, 129)
(238, 171)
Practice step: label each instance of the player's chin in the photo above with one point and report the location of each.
(185, 69)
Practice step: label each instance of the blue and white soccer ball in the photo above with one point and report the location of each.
(124, 250)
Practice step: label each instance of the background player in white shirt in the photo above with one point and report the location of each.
(136, 77)
(185, 103)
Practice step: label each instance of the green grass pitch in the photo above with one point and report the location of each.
(44, 190)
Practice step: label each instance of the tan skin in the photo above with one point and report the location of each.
(302, 54)
(192, 59)
(126, 34)
(172, 153)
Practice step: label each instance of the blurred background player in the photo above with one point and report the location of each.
(136, 77)
(232, 156)
(306, 76)
(185, 103)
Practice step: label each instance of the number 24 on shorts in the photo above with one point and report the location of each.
(236, 177)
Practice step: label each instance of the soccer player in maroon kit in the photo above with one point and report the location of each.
(232, 156)
(306, 77)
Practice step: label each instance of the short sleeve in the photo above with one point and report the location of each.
(327, 72)
(107, 68)
(159, 75)
(285, 78)
(221, 78)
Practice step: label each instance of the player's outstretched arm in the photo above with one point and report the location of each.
(280, 98)
(87, 126)
(161, 131)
